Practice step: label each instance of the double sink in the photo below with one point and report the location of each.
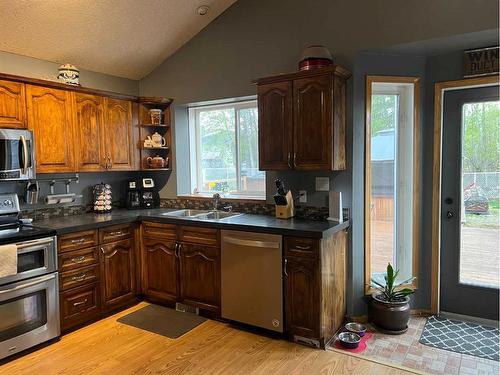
(203, 214)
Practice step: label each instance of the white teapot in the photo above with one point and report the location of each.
(158, 140)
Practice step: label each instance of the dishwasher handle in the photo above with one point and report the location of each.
(251, 243)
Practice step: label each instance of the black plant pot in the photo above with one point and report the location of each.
(390, 317)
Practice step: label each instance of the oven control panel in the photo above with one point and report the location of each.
(9, 203)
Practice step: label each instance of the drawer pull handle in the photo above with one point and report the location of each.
(79, 259)
(117, 233)
(303, 247)
(79, 277)
(80, 240)
(80, 303)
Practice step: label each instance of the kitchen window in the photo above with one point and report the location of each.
(224, 150)
(391, 177)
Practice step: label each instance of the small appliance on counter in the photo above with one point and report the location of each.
(133, 196)
(102, 198)
(285, 208)
(32, 191)
(150, 198)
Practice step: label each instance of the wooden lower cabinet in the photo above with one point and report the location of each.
(79, 305)
(315, 285)
(117, 273)
(302, 294)
(200, 275)
(161, 269)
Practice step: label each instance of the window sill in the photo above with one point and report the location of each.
(227, 197)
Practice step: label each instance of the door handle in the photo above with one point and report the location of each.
(284, 269)
(289, 157)
(294, 159)
(449, 214)
(25, 154)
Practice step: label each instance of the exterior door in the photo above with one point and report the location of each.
(89, 133)
(275, 126)
(470, 203)
(51, 117)
(119, 137)
(312, 134)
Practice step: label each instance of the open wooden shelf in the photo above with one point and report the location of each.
(155, 125)
(156, 148)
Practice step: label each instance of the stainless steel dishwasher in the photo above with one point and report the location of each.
(252, 279)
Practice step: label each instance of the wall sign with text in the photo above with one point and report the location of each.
(481, 62)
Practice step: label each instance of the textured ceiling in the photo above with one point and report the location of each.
(125, 38)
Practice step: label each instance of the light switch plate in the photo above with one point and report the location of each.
(322, 184)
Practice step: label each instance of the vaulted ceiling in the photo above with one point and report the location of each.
(125, 38)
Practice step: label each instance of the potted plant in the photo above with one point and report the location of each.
(390, 304)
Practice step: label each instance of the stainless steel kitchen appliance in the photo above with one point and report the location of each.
(29, 299)
(252, 279)
(17, 155)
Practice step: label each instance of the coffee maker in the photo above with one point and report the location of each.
(150, 198)
(133, 195)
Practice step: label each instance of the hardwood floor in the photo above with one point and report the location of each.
(108, 347)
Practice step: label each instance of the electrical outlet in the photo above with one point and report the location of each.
(302, 196)
(322, 184)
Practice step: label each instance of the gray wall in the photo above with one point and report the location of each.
(258, 38)
(35, 68)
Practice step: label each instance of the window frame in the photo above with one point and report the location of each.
(195, 146)
(370, 80)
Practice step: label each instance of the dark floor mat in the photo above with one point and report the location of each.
(461, 337)
(162, 320)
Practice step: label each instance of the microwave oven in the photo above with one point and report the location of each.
(17, 155)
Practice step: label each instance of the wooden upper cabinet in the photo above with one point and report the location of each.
(312, 139)
(90, 133)
(119, 136)
(51, 117)
(12, 105)
(275, 126)
(302, 120)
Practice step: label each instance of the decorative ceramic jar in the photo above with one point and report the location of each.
(158, 140)
(315, 56)
(155, 116)
(156, 162)
(69, 74)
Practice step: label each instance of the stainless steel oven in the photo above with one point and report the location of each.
(29, 300)
(29, 312)
(17, 155)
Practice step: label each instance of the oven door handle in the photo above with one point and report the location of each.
(39, 280)
(23, 245)
(25, 154)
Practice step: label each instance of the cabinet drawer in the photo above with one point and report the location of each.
(204, 236)
(78, 258)
(78, 277)
(77, 240)
(157, 230)
(300, 246)
(79, 305)
(115, 233)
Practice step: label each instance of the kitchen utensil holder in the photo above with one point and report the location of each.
(286, 211)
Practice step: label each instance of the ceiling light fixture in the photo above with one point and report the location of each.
(203, 10)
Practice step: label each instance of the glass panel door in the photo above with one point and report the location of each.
(480, 211)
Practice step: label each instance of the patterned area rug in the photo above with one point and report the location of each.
(461, 337)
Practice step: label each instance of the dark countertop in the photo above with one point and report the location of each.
(249, 222)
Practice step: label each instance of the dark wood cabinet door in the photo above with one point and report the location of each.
(312, 134)
(51, 117)
(302, 302)
(161, 269)
(12, 105)
(200, 276)
(275, 126)
(89, 133)
(118, 272)
(120, 144)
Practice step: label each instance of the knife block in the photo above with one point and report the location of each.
(287, 211)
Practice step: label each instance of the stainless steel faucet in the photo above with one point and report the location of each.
(216, 201)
